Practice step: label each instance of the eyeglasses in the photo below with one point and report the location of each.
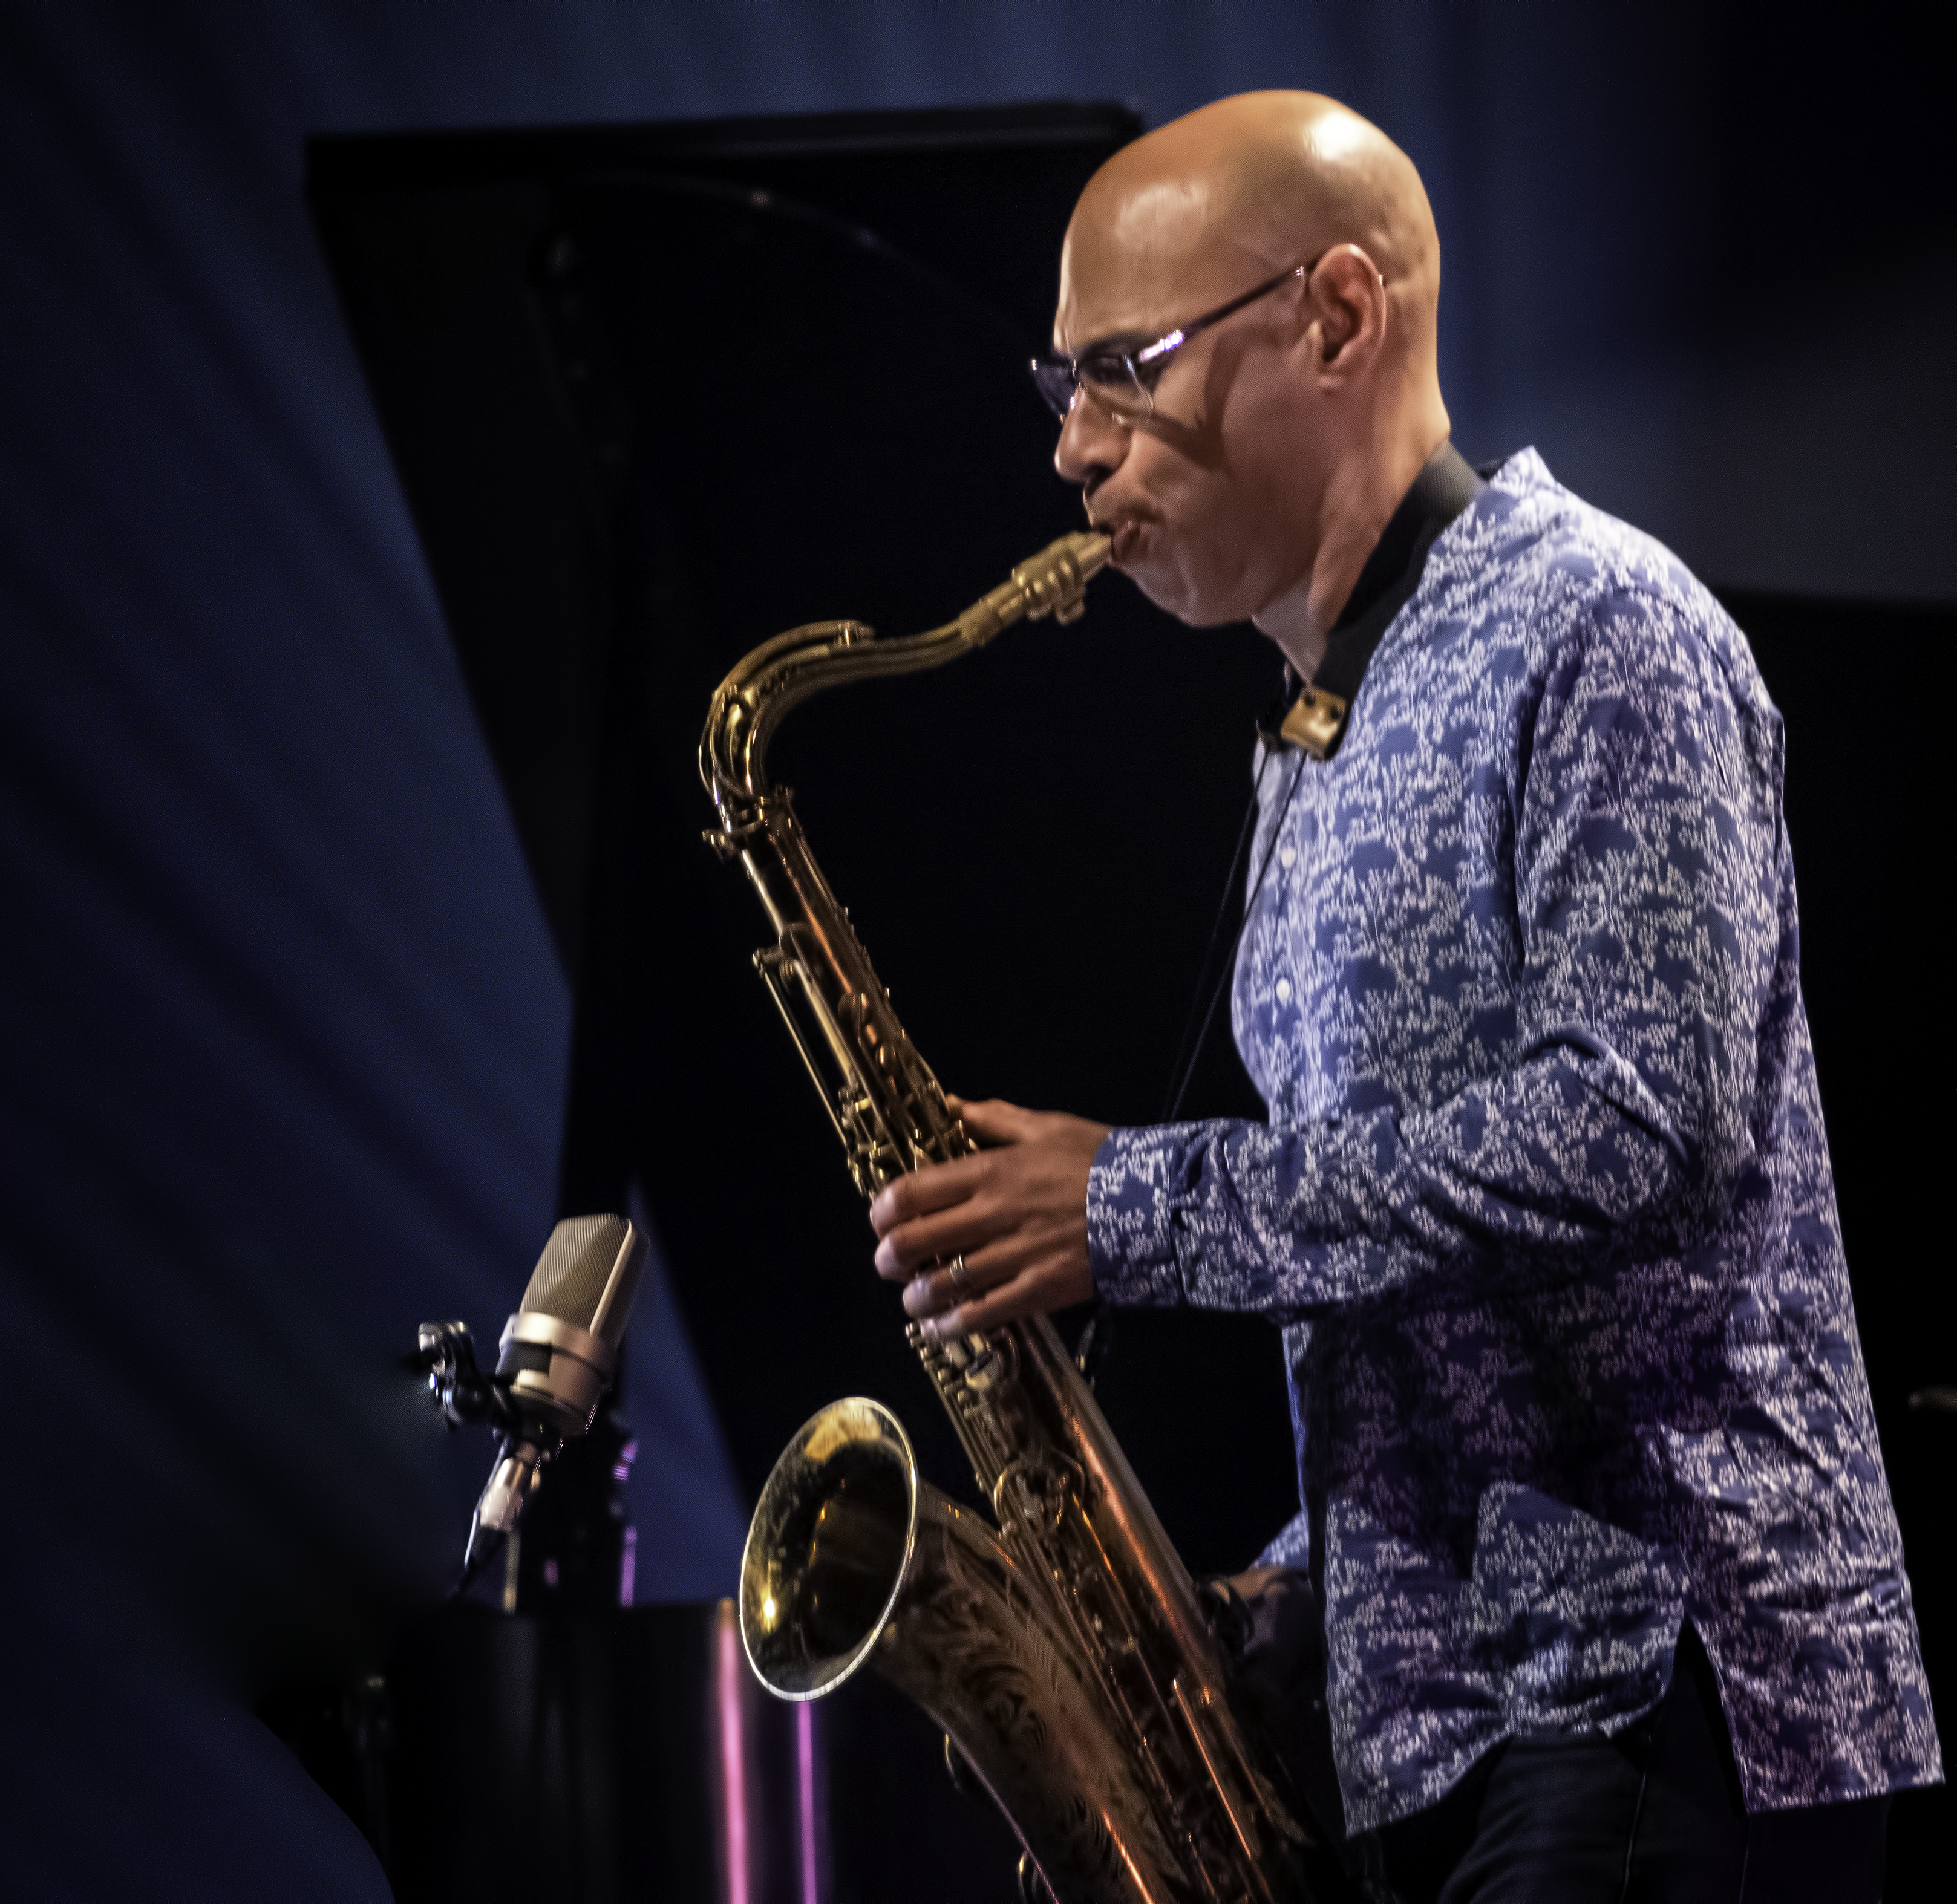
(1123, 382)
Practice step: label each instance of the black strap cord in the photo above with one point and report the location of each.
(1185, 1072)
(1091, 1351)
(1185, 1058)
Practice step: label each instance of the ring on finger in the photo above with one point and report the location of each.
(959, 1280)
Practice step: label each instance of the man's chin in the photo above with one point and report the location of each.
(1171, 591)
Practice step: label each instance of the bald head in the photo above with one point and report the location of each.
(1240, 189)
(1273, 443)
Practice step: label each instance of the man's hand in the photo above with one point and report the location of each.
(1017, 1215)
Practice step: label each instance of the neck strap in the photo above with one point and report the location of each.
(1313, 719)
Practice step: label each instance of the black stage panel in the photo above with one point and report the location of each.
(656, 394)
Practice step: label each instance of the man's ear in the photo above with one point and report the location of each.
(1349, 298)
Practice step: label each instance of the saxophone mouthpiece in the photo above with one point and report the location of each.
(1055, 580)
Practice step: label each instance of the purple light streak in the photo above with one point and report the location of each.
(804, 1714)
(729, 1669)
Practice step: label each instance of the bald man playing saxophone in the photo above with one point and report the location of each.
(1602, 1574)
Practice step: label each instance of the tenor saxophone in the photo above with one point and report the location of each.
(1062, 1650)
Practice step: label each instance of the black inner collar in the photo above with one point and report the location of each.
(1446, 485)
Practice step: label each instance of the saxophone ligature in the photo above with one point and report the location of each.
(1062, 1649)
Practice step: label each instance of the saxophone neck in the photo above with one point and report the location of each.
(764, 685)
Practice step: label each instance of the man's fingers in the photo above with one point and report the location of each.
(993, 1119)
(1249, 1585)
(935, 1286)
(966, 1227)
(931, 1291)
(990, 1310)
(1021, 1295)
(937, 1187)
(1006, 1283)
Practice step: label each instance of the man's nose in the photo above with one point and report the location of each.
(1089, 439)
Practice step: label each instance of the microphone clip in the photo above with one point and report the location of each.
(463, 1393)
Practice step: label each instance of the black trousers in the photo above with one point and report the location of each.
(1651, 1816)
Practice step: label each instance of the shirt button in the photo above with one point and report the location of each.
(1288, 858)
(1284, 991)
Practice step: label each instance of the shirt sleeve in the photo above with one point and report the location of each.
(1649, 866)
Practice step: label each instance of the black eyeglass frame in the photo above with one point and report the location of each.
(1139, 369)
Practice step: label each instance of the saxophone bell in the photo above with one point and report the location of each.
(828, 1548)
(852, 1559)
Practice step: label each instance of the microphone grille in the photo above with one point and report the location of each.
(569, 1280)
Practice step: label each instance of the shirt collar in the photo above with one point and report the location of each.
(1314, 718)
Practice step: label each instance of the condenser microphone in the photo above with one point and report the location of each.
(559, 1353)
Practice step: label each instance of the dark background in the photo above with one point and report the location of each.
(290, 1051)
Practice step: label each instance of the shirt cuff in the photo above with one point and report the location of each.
(1132, 1231)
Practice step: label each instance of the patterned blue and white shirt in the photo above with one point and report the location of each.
(1544, 1205)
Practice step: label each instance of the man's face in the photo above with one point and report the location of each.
(1201, 497)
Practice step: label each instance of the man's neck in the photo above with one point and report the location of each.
(1359, 503)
